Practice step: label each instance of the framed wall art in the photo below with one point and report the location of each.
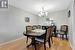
(27, 19)
(69, 13)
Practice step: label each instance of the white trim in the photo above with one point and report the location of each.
(11, 41)
(70, 45)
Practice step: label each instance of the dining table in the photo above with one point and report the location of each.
(34, 33)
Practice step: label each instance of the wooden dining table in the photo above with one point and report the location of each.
(35, 33)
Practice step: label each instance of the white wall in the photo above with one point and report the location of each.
(12, 23)
(3, 24)
(16, 19)
(72, 25)
(59, 17)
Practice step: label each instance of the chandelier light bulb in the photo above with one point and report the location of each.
(43, 13)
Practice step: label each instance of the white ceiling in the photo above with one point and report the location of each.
(34, 6)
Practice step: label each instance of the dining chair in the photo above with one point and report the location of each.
(39, 26)
(54, 31)
(64, 31)
(34, 27)
(45, 27)
(46, 38)
(51, 35)
(28, 29)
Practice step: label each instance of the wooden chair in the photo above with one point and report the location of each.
(45, 27)
(64, 31)
(28, 29)
(46, 38)
(51, 34)
(54, 31)
(39, 26)
(34, 27)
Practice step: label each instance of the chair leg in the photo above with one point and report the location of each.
(62, 36)
(51, 39)
(49, 42)
(44, 46)
(34, 43)
(35, 46)
(27, 40)
(66, 37)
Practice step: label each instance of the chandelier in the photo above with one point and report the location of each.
(43, 13)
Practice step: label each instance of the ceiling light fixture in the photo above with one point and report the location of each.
(43, 13)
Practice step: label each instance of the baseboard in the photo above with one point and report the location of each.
(71, 45)
(11, 41)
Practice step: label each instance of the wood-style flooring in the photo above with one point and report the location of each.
(21, 44)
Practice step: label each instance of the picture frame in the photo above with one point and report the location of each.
(27, 19)
(69, 13)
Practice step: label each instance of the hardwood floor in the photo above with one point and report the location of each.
(58, 44)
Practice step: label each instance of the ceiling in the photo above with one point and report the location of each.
(34, 6)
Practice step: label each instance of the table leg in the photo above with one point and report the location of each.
(34, 43)
(29, 45)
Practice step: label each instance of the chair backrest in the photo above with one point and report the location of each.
(34, 27)
(48, 32)
(64, 28)
(39, 27)
(28, 29)
(45, 27)
(54, 28)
